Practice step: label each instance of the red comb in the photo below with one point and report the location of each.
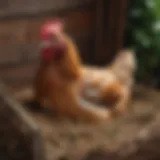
(51, 27)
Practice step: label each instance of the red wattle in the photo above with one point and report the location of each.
(47, 54)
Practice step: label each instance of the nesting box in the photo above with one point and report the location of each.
(97, 27)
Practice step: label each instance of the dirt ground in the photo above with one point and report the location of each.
(68, 140)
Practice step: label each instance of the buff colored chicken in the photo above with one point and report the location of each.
(111, 85)
(57, 81)
(66, 86)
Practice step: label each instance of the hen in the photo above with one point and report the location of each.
(74, 90)
(57, 81)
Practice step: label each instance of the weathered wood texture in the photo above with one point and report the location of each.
(113, 15)
(12, 8)
(19, 135)
(19, 33)
(96, 25)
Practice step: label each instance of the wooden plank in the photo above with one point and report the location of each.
(121, 22)
(109, 30)
(13, 31)
(33, 7)
(27, 30)
(19, 69)
(19, 37)
(20, 132)
(23, 71)
(99, 30)
(115, 16)
(17, 53)
(20, 54)
(77, 23)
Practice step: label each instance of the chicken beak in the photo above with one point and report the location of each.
(44, 44)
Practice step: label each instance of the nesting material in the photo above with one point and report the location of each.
(67, 140)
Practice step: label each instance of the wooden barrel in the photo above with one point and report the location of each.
(19, 33)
